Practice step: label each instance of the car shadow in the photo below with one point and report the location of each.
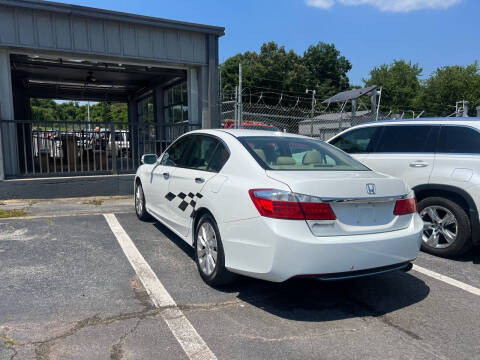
(174, 238)
(472, 256)
(303, 299)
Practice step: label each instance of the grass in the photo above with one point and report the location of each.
(8, 341)
(94, 202)
(12, 213)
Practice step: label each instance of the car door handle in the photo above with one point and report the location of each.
(166, 175)
(418, 164)
(199, 180)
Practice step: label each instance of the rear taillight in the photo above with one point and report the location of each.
(280, 204)
(405, 206)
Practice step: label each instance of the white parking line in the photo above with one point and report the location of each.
(182, 329)
(448, 280)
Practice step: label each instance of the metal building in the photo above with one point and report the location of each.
(167, 72)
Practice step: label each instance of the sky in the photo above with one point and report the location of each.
(433, 33)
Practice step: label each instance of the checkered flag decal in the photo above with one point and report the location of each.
(187, 199)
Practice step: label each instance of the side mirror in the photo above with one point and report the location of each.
(149, 159)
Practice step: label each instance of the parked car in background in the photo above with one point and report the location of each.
(440, 160)
(274, 206)
(122, 145)
(251, 125)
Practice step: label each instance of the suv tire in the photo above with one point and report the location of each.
(447, 231)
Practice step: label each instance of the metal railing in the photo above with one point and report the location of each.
(59, 148)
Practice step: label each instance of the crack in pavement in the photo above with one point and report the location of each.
(296, 337)
(117, 348)
(10, 344)
(42, 348)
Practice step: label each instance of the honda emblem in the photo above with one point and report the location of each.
(371, 189)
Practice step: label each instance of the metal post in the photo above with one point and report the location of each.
(379, 101)
(374, 101)
(465, 108)
(478, 111)
(235, 109)
(313, 109)
(113, 147)
(240, 97)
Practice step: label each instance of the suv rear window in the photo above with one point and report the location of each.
(407, 139)
(459, 140)
(298, 154)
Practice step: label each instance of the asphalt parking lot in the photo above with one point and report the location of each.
(72, 288)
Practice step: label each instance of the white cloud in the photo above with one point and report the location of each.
(388, 5)
(322, 4)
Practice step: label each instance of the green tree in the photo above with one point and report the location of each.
(327, 69)
(69, 111)
(275, 70)
(450, 84)
(401, 85)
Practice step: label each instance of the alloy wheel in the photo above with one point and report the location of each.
(207, 248)
(139, 200)
(440, 228)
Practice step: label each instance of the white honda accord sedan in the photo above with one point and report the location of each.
(275, 206)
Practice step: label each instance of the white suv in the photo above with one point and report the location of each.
(440, 159)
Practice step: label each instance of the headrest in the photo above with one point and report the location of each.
(261, 154)
(312, 157)
(285, 160)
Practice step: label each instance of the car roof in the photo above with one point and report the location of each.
(471, 121)
(247, 132)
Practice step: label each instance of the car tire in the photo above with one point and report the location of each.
(140, 208)
(437, 213)
(208, 243)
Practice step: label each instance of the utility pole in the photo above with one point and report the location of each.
(88, 115)
(240, 97)
(313, 109)
(235, 116)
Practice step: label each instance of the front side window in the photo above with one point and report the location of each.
(176, 155)
(407, 139)
(357, 141)
(298, 154)
(459, 140)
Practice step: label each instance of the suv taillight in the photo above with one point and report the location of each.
(279, 204)
(405, 206)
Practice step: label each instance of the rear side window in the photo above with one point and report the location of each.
(298, 154)
(459, 140)
(219, 158)
(407, 139)
(357, 141)
(201, 152)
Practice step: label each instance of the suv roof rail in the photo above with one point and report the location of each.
(424, 119)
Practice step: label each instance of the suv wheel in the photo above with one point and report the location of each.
(209, 253)
(447, 230)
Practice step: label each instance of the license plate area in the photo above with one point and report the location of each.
(364, 214)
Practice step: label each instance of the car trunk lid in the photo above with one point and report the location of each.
(363, 201)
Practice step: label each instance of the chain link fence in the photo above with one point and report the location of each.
(292, 119)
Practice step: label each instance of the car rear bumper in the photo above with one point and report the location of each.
(277, 250)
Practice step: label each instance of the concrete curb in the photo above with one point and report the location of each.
(67, 187)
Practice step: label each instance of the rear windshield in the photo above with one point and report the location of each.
(298, 154)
